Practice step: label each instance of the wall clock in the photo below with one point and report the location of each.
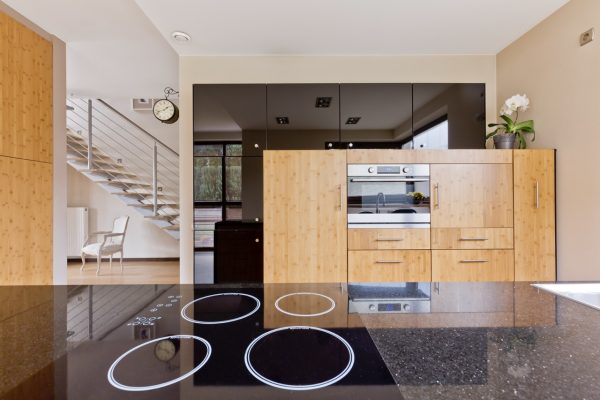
(165, 110)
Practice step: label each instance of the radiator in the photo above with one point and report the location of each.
(77, 230)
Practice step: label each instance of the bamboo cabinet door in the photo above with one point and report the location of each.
(535, 251)
(471, 196)
(305, 228)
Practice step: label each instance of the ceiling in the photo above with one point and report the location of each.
(346, 27)
(123, 48)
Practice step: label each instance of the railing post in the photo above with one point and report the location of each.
(155, 179)
(90, 159)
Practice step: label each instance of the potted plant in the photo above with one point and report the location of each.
(511, 130)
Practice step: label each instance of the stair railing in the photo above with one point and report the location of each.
(111, 133)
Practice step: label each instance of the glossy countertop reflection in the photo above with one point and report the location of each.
(480, 341)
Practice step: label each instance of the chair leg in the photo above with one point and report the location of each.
(98, 269)
(82, 261)
(110, 262)
(121, 261)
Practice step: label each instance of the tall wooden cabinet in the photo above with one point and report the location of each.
(535, 247)
(305, 222)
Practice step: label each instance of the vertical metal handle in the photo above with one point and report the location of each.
(436, 191)
(90, 144)
(341, 197)
(537, 194)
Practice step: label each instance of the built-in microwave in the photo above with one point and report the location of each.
(388, 196)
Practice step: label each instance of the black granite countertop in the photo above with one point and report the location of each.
(478, 341)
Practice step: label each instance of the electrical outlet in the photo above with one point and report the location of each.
(586, 37)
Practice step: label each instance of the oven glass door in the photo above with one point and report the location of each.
(388, 200)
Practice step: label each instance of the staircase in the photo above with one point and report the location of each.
(125, 160)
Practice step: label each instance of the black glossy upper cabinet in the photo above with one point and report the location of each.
(302, 116)
(449, 115)
(232, 113)
(376, 115)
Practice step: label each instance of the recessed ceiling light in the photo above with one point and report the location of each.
(181, 36)
(323, 102)
(352, 120)
(282, 120)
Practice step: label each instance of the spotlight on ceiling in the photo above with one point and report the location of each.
(282, 120)
(181, 36)
(352, 120)
(323, 102)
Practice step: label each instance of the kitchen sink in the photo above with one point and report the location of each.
(584, 293)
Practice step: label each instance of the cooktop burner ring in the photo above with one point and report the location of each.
(284, 386)
(200, 322)
(116, 384)
(278, 307)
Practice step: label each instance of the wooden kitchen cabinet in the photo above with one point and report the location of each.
(471, 195)
(388, 239)
(471, 238)
(389, 266)
(305, 222)
(535, 248)
(472, 265)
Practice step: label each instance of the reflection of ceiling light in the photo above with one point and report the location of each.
(352, 120)
(282, 120)
(323, 102)
(181, 36)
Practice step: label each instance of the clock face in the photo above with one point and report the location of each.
(165, 350)
(164, 110)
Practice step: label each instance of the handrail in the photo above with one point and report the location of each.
(139, 127)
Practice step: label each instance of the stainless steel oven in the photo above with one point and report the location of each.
(401, 297)
(388, 196)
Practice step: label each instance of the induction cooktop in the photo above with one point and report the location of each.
(214, 343)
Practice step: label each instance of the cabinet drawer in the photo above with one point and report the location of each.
(388, 239)
(389, 266)
(472, 265)
(471, 238)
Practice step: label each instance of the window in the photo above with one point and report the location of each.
(432, 136)
(217, 188)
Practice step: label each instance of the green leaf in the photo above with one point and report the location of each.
(507, 119)
(492, 125)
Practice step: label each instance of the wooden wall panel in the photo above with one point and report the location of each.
(25, 222)
(393, 156)
(25, 92)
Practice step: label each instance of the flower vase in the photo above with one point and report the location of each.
(504, 141)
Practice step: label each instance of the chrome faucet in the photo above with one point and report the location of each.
(382, 195)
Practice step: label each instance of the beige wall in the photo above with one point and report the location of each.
(299, 69)
(562, 80)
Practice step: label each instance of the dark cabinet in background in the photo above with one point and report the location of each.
(302, 116)
(238, 252)
(375, 115)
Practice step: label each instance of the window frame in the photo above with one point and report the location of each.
(224, 203)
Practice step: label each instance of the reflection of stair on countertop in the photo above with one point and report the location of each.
(118, 179)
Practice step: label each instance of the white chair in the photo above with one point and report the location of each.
(111, 244)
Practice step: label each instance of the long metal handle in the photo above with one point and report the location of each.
(472, 239)
(436, 190)
(473, 261)
(155, 180)
(389, 180)
(388, 262)
(90, 144)
(341, 197)
(537, 194)
(389, 239)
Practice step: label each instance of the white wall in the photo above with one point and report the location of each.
(562, 80)
(143, 239)
(301, 69)
(166, 133)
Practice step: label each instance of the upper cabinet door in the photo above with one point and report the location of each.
(535, 248)
(302, 116)
(471, 196)
(376, 115)
(449, 115)
(305, 223)
(232, 113)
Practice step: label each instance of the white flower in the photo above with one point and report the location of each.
(505, 110)
(516, 103)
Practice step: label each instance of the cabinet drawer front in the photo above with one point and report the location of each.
(388, 239)
(389, 266)
(472, 265)
(471, 238)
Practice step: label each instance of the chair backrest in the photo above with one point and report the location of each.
(119, 226)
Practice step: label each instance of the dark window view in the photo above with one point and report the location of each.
(217, 188)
